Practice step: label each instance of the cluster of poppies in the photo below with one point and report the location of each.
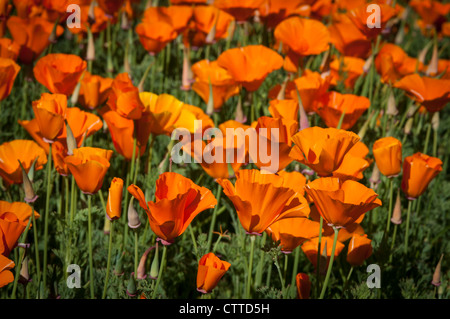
(330, 75)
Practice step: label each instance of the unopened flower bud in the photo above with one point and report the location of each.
(408, 126)
(131, 288)
(133, 216)
(141, 267)
(118, 270)
(391, 107)
(397, 212)
(368, 64)
(432, 68)
(24, 274)
(437, 273)
(375, 177)
(435, 121)
(30, 195)
(71, 141)
(154, 270)
(107, 226)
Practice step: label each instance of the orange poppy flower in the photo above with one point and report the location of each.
(155, 35)
(310, 248)
(114, 203)
(208, 74)
(50, 113)
(341, 203)
(272, 12)
(293, 232)
(392, 63)
(24, 151)
(176, 16)
(82, 124)
(432, 93)
(190, 114)
(359, 249)
(303, 286)
(94, 90)
(276, 91)
(262, 199)
(352, 106)
(124, 98)
(241, 10)
(32, 35)
(388, 155)
(99, 24)
(14, 219)
(286, 109)
(9, 49)
(88, 166)
(322, 149)
(275, 132)
(122, 132)
(6, 276)
(360, 16)
(418, 171)
(211, 24)
(346, 70)
(110, 7)
(161, 112)
(354, 163)
(59, 153)
(430, 11)
(294, 180)
(8, 70)
(210, 270)
(59, 72)
(250, 65)
(312, 87)
(303, 37)
(348, 40)
(178, 201)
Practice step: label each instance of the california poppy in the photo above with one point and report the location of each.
(110, 6)
(350, 105)
(188, 117)
(250, 65)
(303, 37)
(177, 16)
(123, 131)
(209, 76)
(94, 90)
(388, 155)
(287, 109)
(9, 49)
(303, 285)
(14, 218)
(349, 40)
(88, 166)
(293, 232)
(310, 248)
(178, 201)
(430, 11)
(50, 113)
(6, 276)
(124, 97)
(210, 270)
(32, 35)
(359, 249)
(312, 88)
(346, 70)
(354, 163)
(418, 171)
(114, 203)
(272, 12)
(97, 23)
(367, 22)
(211, 24)
(241, 10)
(294, 180)
(322, 149)
(8, 72)
(341, 203)
(59, 72)
(155, 35)
(432, 93)
(262, 199)
(392, 63)
(24, 151)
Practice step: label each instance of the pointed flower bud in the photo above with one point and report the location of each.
(71, 141)
(131, 288)
(24, 274)
(391, 106)
(133, 216)
(154, 270)
(375, 177)
(141, 267)
(435, 121)
(397, 212)
(30, 196)
(118, 270)
(437, 273)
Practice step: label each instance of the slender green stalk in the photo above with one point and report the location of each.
(109, 64)
(213, 218)
(19, 262)
(435, 142)
(250, 267)
(408, 215)
(427, 138)
(191, 231)
(330, 265)
(36, 248)
(46, 215)
(391, 195)
(161, 270)
(108, 264)
(393, 242)
(91, 262)
(344, 286)
(295, 267)
(136, 256)
(280, 275)
(130, 175)
(72, 200)
(259, 271)
(318, 256)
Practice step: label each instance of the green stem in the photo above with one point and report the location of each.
(191, 231)
(393, 242)
(250, 266)
(435, 142)
(108, 265)
(330, 265)
(346, 281)
(427, 138)
(91, 262)
(46, 215)
(213, 218)
(161, 270)
(259, 271)
(295, 267)
(408, 215)
(36, 248)
(136, 255)
(391, 194)
(280, 275)
(319, 251)
(19, 263)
